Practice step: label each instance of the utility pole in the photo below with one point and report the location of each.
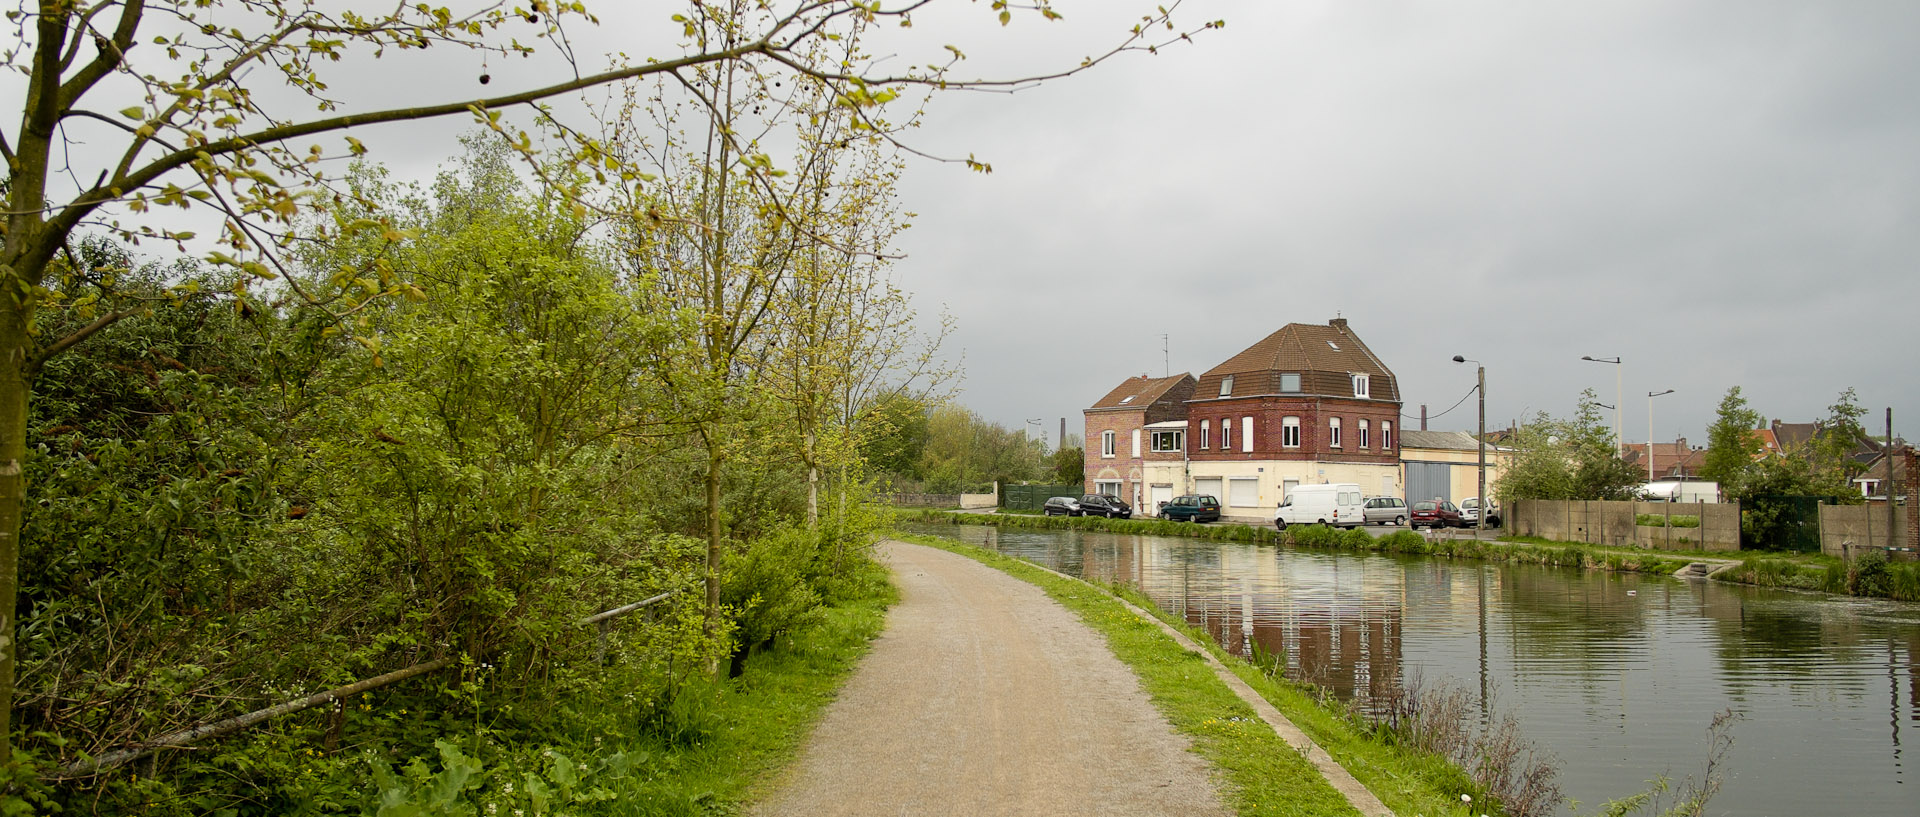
(1480, 514)
(1888, 452)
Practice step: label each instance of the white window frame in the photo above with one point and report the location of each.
(1167, 442)
(1107, 444)
(1289, 432)
(1136, 443)
(1362, 387)
(1100, 487)
(1364, 436)
(1333, 432)
(1226, 434)
(1296, 382)
(1226, 386)
(1246, 434)
(1386, 435)
(1206, 434)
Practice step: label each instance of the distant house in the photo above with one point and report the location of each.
(1872, 482)
(1307, 404)
(1116, 433)
(1671, 461)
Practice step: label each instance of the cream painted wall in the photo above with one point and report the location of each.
(1272, 474)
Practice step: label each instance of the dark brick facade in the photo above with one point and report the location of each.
(1269, 414)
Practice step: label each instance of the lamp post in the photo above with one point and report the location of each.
(1040, 430)
(1480, 516)
(1619, 431)
(1650, 396)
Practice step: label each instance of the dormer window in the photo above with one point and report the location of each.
(1226, 386)
(1290, 383)
(1360, 386)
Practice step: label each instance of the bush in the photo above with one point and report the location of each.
(769, 587)
(1654, 520)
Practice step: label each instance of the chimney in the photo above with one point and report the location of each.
(1683, 444)
(1423, 417)
(1338, 323)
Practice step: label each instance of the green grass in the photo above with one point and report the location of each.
(1265, 776)
(1655, 520)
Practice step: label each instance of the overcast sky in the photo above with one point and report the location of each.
(1722, 192)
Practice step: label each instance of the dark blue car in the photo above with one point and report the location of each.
(1191, 508)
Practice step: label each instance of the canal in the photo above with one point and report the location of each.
(1617, 675)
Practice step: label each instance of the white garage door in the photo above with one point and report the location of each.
(1161, 493)
(1246, 492)
(1208, 486)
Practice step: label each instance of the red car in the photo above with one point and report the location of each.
(1432, 513)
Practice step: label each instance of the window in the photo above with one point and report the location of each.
(1360, 387)
(1226, 435)
(1363, 434)
(1246, 434)
(1136, 443)
(1289, 432)
(1226, 386)
(1333, 432)
(1869, 486)
(1206, 434)
(1386, 436)
(1106, 444)
(1128, 399)
(1110, 488)
(1167, 442)
(1290, 382)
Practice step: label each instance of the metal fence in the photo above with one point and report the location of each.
(1781, 522)
(1031, 497)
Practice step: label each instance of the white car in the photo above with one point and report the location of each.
(1470, 512)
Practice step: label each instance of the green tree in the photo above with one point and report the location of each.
(1732, 446)
(1567, 459)
(1069, 466)
(223, 105)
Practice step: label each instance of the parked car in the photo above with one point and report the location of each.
(1470, 512)
(1386, 510)
(1429, 513)
(1191, 508)
(1106, 505)
(1337, 504)
(1061, 506)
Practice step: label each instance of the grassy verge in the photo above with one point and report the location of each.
(1264, 775)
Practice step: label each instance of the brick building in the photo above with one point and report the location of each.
(1307, 404)
(1118, 442)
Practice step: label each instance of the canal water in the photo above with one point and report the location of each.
(1617, 675)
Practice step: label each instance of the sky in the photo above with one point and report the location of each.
(1719, 192)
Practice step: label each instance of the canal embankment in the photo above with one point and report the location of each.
(1866, 577)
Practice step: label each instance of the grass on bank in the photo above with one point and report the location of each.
(1265, 776)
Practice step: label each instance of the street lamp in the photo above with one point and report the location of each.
(1041, 431)
(1619, 431)
(1480, 518)
(1650, 396)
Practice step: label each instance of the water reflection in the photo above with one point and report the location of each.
(1617, 674)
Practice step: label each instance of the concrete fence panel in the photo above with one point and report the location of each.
(1617, 523)
(1846, 530)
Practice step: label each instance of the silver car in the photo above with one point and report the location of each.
(1386, 510)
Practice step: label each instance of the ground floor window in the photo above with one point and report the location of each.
(1110, 488)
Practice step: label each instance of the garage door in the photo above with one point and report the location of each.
(1161, 494)
(1426, 480)
(1246, 492)
(1209, 486)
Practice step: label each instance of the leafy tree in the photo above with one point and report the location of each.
(1069, 466)
(1839, 438)
(1567, 459)
(129, 107)
(1732, 445)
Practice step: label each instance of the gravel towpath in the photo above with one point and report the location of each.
(983, 696)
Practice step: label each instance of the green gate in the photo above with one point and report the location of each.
(1782, 522)
(1031, 497)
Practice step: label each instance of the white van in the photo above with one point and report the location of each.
(1338, 504)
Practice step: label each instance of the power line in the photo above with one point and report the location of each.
(1463, 399)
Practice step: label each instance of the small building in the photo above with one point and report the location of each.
(1116, 433)
(1446, 464)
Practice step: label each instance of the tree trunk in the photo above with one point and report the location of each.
(813, 482)
(14, 388)
(712, 623)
